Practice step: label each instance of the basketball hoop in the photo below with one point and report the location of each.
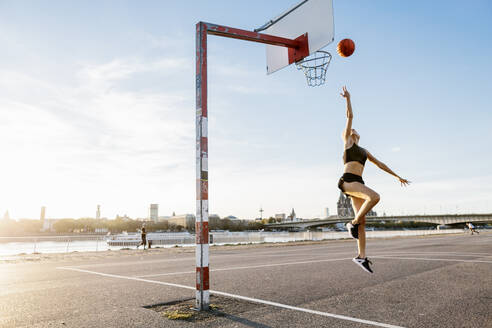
(314, 67)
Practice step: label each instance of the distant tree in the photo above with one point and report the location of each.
(66, 225)
(19, 228)
(255, 225)
(29, 226)
(163, 225)
(172, 227)
(88, 225)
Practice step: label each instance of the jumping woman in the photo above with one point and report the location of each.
(351, 184)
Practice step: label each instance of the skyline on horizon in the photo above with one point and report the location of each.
(139, 217)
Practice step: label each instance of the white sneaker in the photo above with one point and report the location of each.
(353, 230)
(363, 263)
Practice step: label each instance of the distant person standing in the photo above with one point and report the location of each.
(472, 228)
(144, 238)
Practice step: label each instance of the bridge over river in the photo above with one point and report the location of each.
(438, 219)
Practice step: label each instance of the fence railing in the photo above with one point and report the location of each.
(51, 244)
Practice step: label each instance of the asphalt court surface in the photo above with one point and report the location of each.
(435, 281)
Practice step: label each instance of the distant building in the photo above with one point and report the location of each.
(187, 221)
(125, 218)
(292, 217)
(326, 212)
(231, 217)
(344, 206)
(280, 217)
(6, 216)
(154, 212)
(345, 209)
(48, 225)
(98, 212)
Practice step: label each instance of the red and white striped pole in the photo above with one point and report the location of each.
(201, 224)
(298, 49)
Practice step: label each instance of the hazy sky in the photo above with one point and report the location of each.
(97, 106)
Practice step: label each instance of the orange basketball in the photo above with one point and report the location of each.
(346, 47)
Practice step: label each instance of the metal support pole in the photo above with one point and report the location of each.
(201, 224)
(298, 49)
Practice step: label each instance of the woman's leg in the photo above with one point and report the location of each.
(357, 203)
(361, 191)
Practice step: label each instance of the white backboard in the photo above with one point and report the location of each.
(314, 17)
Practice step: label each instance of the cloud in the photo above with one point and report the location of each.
(93, 132)
(110, 73)
(395, 149)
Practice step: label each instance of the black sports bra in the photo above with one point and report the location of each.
(355, 154)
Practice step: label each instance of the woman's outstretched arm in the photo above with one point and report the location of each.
(350, 114)
(384, 167)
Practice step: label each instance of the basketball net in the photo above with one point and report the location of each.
(314, 67)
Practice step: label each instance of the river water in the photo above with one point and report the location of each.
(63, 244)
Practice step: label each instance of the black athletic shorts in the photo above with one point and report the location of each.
(349, 177)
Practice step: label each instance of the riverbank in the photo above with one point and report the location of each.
(126, 252)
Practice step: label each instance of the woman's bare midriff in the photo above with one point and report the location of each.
(354, 168)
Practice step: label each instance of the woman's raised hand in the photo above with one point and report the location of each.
(345, 93)
(404, 182)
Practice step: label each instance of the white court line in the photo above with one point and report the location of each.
(374, 249)
(247, 267)
(427, 259)
(264, 265)
(386, 255)
(250, 299)
(438, 253)
(192, 258)
(181, 259)
(278, 252)
(132, 262)
(170, 273)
